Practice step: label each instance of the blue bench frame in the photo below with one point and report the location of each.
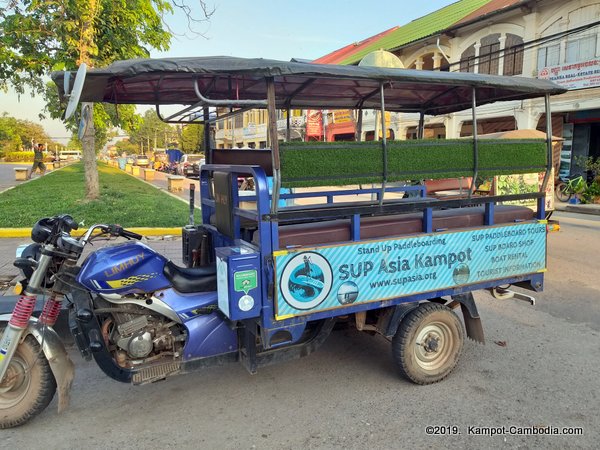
(268, 232)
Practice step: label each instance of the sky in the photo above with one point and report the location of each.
(275, 29)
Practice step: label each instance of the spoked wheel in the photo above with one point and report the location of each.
(428, 343)
(28, 385)
(561, 192)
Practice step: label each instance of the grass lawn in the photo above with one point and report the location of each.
(123, 199)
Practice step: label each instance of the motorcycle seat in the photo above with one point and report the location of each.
(190, 280)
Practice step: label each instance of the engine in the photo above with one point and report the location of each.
(136, 336)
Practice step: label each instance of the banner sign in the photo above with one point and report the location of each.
(324, 278)
(342, 116)
(525, 184)
(572, 76)
(314, 123)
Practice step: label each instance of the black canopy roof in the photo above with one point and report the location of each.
(298, 85)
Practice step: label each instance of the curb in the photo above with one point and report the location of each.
(580, 209)
(161, 189)
(144, 231)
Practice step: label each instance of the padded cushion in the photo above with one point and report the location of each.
(194, 279)
(317, 233)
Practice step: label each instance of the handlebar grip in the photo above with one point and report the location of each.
(131, 235)
(71, 223)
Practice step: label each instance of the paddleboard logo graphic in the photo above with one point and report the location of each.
(306, 280)
(461, 274)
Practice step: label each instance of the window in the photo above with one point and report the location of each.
(238, 121)
(513, 55)
(467, 60)
(489, 54)
(262, 144)
(549, 56)
(581, 49)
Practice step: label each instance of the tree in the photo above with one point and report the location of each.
(152, 132)
(192, 138)
(38, 36)
(17, 134)
(125, 145)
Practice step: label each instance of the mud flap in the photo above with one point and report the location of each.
(473, 324)
(61, 365)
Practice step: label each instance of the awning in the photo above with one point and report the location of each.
(299, 85)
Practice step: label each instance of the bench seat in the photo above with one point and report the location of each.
(327, 232)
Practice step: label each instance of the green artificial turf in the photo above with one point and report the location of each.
(341, 163)
(123, 199)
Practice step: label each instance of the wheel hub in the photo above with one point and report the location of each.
(433, 345)
(15, 382)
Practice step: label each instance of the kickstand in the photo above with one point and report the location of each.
(505, 294)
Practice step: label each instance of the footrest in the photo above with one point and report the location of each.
(155, 373)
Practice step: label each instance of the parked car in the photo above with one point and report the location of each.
(141, 160)
(189, 165)
(130, 160)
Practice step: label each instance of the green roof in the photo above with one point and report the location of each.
(420, 28)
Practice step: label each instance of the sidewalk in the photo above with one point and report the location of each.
(591, 208)
(160, 181)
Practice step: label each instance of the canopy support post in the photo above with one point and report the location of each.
(383, 144)
(475, 144)
(208, 150)
(359, 125)
(541, 202)
(548, 142)
(287, 125)
(272, 113)
(421, 127)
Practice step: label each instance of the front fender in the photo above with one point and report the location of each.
(54, 350)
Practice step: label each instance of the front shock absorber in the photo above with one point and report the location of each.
(12, 334)
(22, 311)
(51, 309)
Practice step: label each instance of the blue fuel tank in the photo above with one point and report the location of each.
(127, 268)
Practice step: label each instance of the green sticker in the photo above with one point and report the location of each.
(245, 281)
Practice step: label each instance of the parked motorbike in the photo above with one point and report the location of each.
(138, 315)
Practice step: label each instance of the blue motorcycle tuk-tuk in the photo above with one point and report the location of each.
(331, 233)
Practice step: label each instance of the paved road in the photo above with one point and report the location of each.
(347, 395)
(7, 175)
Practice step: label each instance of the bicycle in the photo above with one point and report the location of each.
(566, 188)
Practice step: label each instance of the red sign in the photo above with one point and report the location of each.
(580, 75)
(314, 123)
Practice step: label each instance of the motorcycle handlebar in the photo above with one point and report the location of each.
(130, 234)
(114, 230)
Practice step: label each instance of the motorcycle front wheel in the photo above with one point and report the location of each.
(28, 385)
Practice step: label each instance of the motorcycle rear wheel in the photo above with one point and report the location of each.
(28, 386)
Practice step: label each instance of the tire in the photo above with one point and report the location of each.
(428, 343)
(33, 389)
(561, 192)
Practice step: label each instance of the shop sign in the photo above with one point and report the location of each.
(254, 131)
(342, 116)
(314, 123)
(573, 76)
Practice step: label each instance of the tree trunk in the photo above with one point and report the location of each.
(90, 168)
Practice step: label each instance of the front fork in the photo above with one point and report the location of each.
(23, 311)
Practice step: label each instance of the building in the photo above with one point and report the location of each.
(550, 39)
